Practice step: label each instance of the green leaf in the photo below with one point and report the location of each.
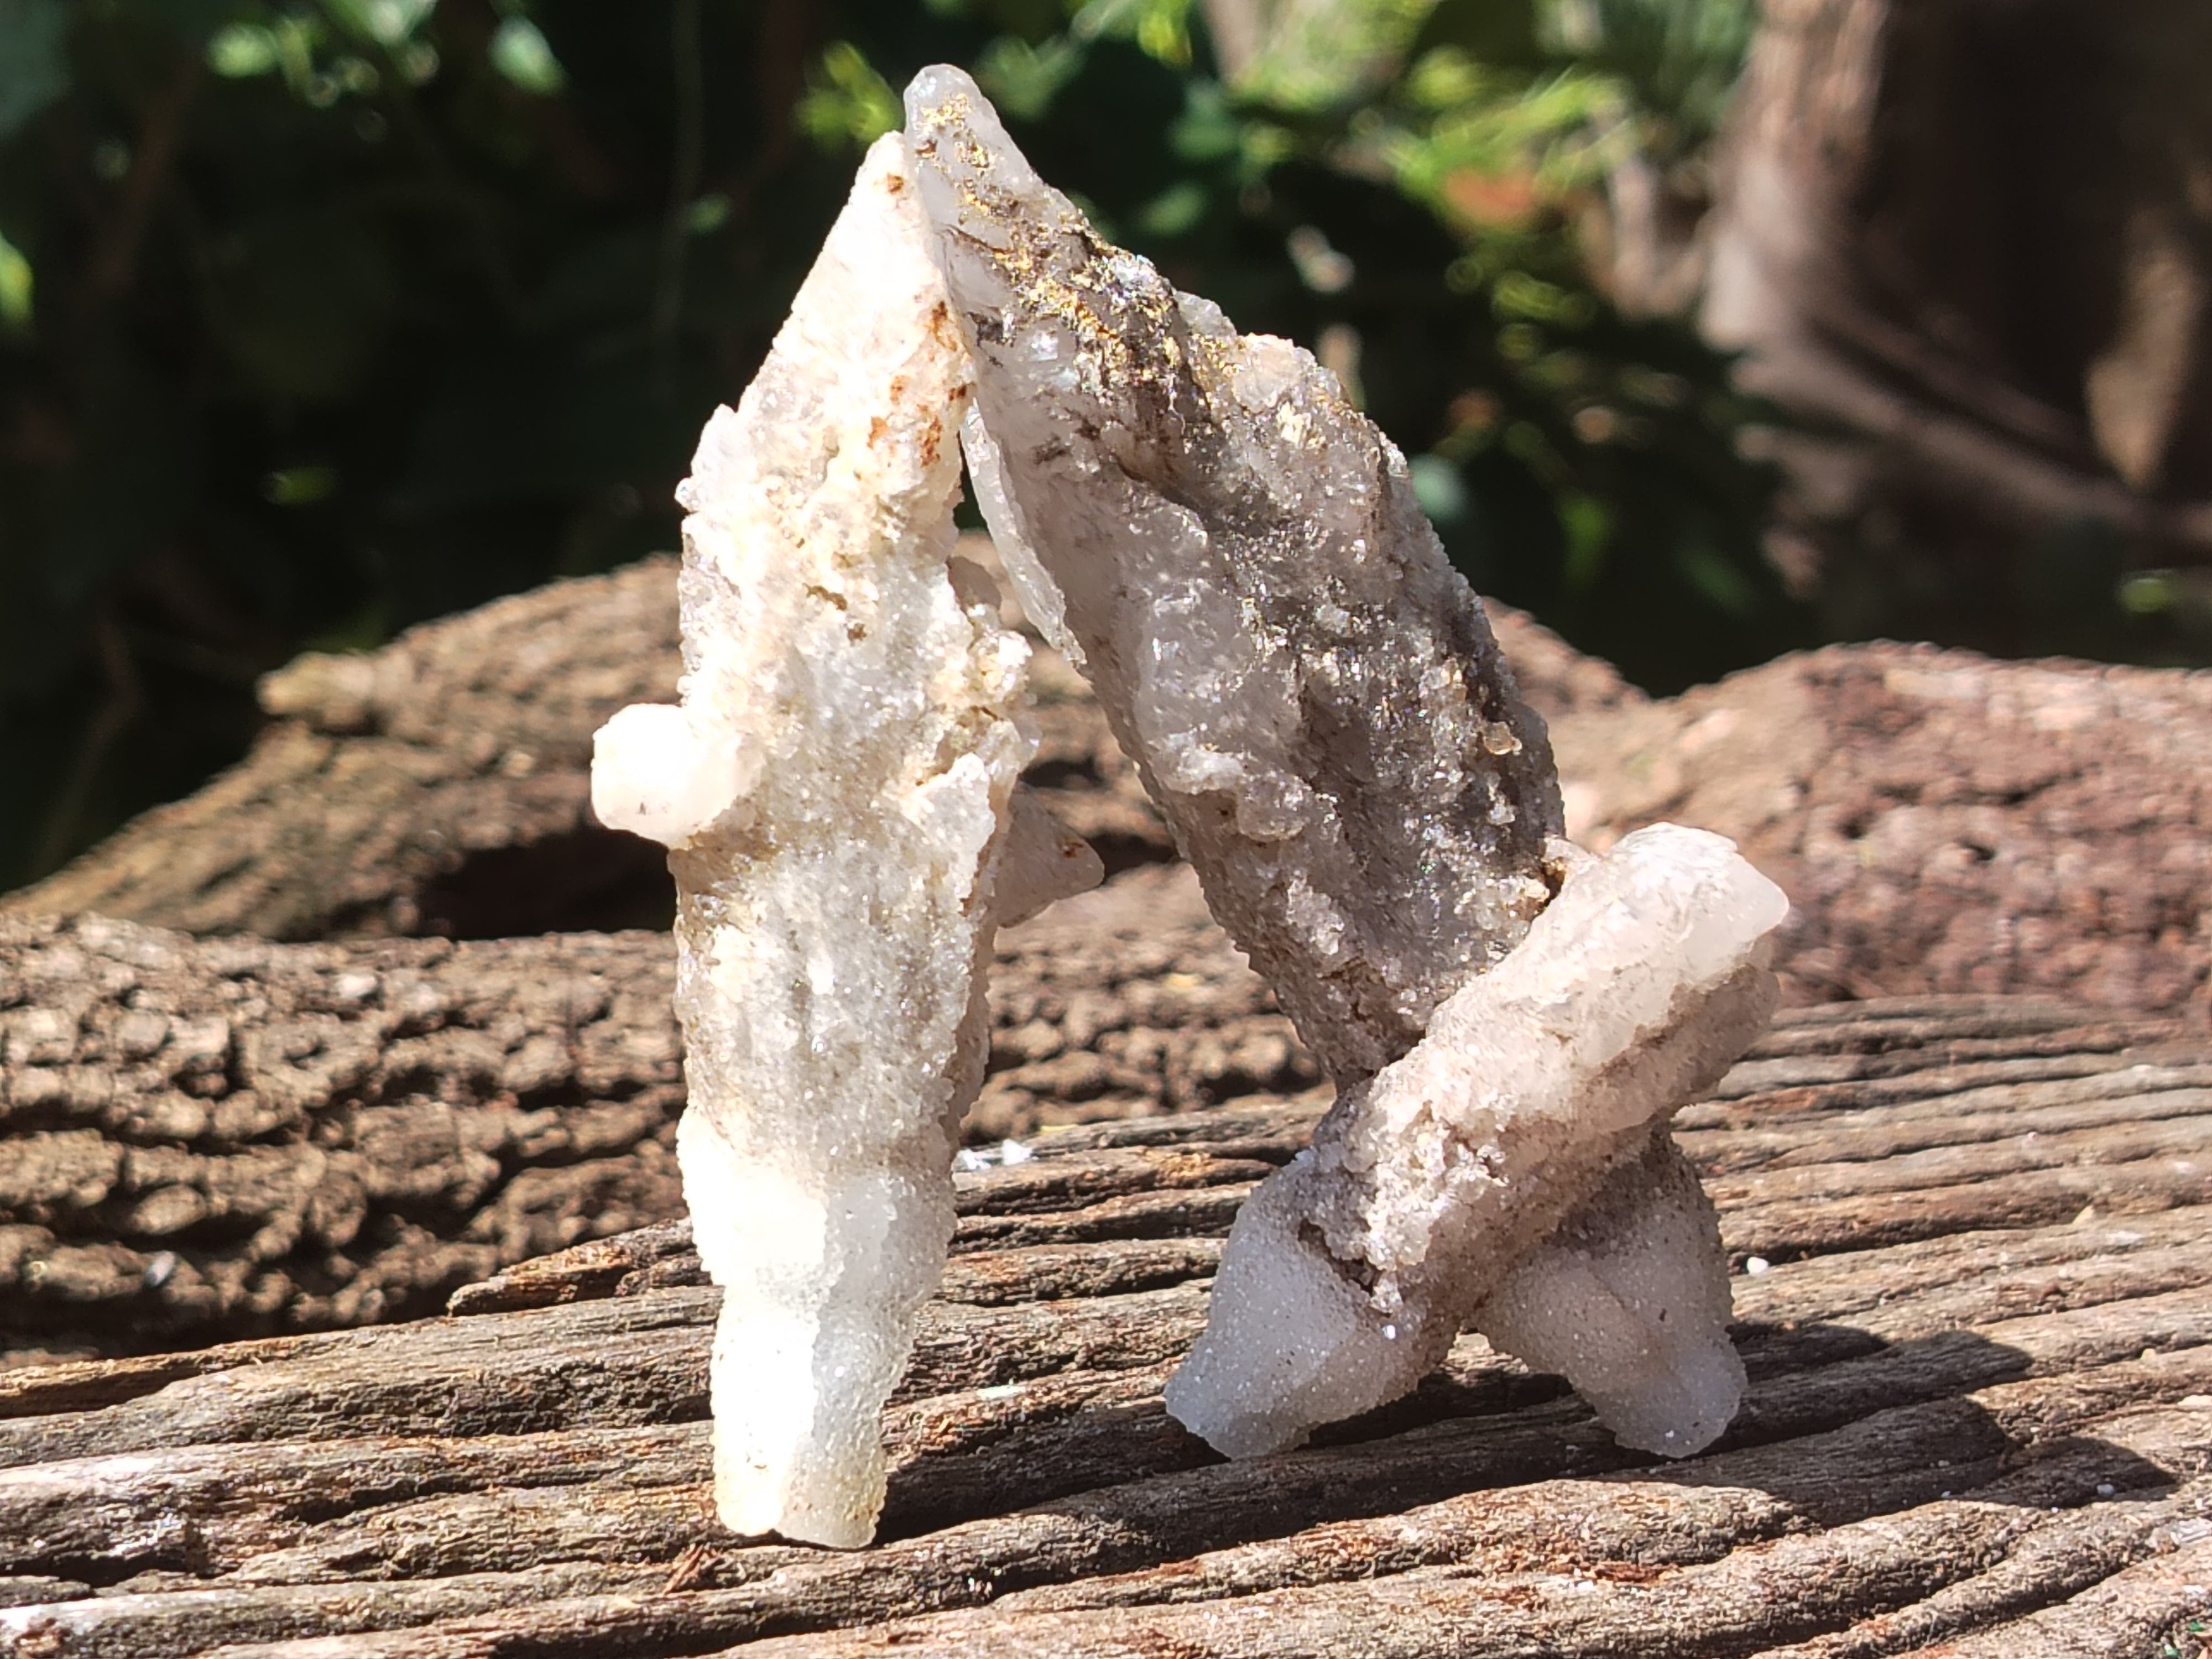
(1681, 56)
(387, 22)
(1315, 59)
(1518, 294)
(1207, 130)
(1023, 80)
(2148, 593)
(519, 52)
(1724, 587)
(17, 287)
(1173, 210)
(242, 52)
(1587, 524)
(33, 59)
(847, 102)
(1161, 28)
(300, 486)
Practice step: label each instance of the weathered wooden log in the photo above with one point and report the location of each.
(202, 1140)
(437, 786)
(1976, 1304)
(1943, 822)
(440, 785)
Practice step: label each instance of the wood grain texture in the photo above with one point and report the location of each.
(1976, 1305)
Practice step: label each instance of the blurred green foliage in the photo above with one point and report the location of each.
(318, 318)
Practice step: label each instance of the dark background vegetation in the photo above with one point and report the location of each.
(322, 318)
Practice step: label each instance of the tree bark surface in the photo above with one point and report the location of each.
(206, 1139)
(1975, 1302)
(441, 784)
(1942, 821)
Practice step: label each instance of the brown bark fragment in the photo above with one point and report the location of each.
(1940, 822)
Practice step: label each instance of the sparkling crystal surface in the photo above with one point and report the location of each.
(835, 787)
(1235, 556)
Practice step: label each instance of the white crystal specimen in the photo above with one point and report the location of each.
(655, 774)
(836, 788)
(1348, 1273)
(1622, 1302)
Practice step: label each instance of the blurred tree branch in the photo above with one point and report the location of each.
(160, 132)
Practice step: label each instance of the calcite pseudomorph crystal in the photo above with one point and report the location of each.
(1234, 555)
(1429, 1189)
(1313, 696)
(837, 791)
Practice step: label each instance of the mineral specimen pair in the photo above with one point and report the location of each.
(1233, 555)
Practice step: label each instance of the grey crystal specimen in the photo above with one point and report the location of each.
(1235, 556)
(1311, 691)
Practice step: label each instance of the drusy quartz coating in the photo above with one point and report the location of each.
(837, 789)
(1313, 696)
